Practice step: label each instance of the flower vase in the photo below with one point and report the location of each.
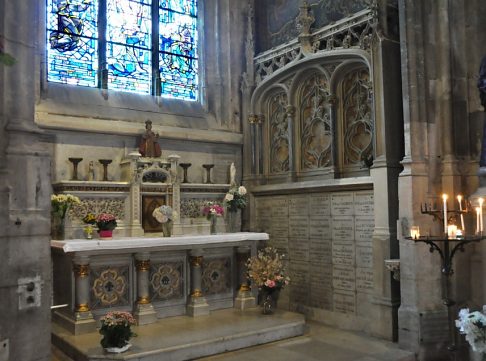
(167, 228)
(233, 219)
(212, 225)
(58, 225)
(106, 234)
(88, 232)
(269, 300)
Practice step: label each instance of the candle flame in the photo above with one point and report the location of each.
(444, 196)
(459, 198)
(477, 210)
(480, 200)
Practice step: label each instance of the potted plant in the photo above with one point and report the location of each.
(212, 211)
(267, 272)
(116, 331)
(473, 325)
(60, 204)
(106, 223)
(165, 215)
(234, 201)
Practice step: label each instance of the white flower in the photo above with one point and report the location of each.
(242, 190)
(229, 197)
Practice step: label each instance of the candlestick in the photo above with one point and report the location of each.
(444, 198)
(459, 199)
(481, 200)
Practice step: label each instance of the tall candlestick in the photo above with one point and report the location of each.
(477, 220)
(459, 199)
(480, 200)
(444, 198)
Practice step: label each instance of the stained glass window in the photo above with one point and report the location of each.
(115, 44)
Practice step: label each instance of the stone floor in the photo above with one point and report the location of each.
(318, 343)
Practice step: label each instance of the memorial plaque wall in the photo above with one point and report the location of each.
(327, 238)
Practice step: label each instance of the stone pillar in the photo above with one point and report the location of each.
(176, 193)
(260, 146)
(197, 305)
(144, 310)
(83, 318)
(244, 298)
(290, 111)
(253, 121)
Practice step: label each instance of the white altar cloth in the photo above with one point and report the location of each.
(158, 243)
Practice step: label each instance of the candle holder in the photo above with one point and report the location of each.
(105, 163)
(208, 172)
(75, 162)
(185, 166)
(438, 214)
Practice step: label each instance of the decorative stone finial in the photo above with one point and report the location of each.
(305, 18)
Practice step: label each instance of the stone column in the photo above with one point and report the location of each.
(253, 121)
(144, 310)
(176, 193)
(83, 318)
(244, 298)
(260, 142)
(197, 305)
(290, 111)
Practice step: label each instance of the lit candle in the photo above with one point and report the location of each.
(459, 199)
(480, 200)
(451, 231)
(414, 232)
(444, 198)
(477, 220)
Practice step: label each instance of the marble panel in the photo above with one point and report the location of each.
(342, 204)
(319, 206)
(299, 282)
(343, 230)
(216, 275)
(320, 289)
(363, 203)
(298, 228)
(166, 281)
(320, 251)
(344, 301)
(343, 277)
(298, 206)
(298, 250)
(320, 228)
(364, 257)
(363, 230)
(343, 254)
(364, 280)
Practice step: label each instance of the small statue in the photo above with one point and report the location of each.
(91, 174)
(232, 175)
(149, 145)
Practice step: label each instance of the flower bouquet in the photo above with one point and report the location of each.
(267, 272)
(89, 220)
(116, 331)
(106, 223)
(235, 199)
(164, 215)
(60, 204)
(473, 325)
(211, 211)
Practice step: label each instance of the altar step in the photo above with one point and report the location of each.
(186, 338)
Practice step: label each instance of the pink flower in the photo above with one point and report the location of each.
(270, 283)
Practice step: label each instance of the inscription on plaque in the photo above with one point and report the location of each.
(342, 204)
(364, 257)
(364, 279)
(363, 229)
(320, 251)
(320, 228)
(344, 302)
(343, 230)
(320, 206)
(298, 250)
(363, 203)
(343, 254)
(343, 278)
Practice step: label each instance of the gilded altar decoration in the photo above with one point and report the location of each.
(60, 204)
(216, 276)
(110, 287)
(116, 331)
(166, 281)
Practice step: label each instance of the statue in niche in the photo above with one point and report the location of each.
(232, 175)
(482, 95)
(149, 144)
(91, 173)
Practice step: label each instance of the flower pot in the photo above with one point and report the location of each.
(167, 228)
(106, 233)
(233, 220)
(57, 227)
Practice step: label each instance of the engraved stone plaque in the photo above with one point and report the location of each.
(342, 204)
(363, 203)
(320, 228)
(364, 279)
(364, 257)
(320, 251)
(298, 250)
(319, 206)
(343, 230)
(343, 278)
(298, 229)
(298, 206)
(344, 301)
(299, 287)
(363, 230)
(343, 254)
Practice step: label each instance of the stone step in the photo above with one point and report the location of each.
(186, 338)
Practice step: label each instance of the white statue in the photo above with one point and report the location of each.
(232, 175)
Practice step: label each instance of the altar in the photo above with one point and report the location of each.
(153, 277)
